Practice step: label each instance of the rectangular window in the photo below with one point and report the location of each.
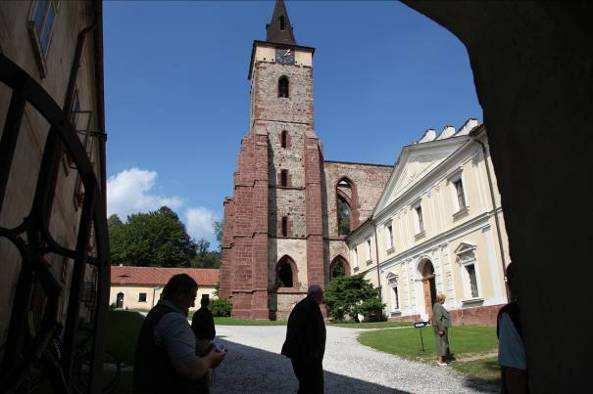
(43, 16)
(356, 256)
(419, 218)
(284, 226)
(473, 282)
(369, 250)
(460, 195)
(142, 297)
(395, 298)
(389, 235)
(284, 178)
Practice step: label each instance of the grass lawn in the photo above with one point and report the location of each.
(379, 324)
(464, 340)
(231, 321)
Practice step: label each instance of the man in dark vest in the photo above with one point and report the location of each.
(202, 324)
(511, 346)
(166, 358)
(305, 341)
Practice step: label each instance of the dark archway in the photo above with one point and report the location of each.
(286, 272)
(339, 267)
(119, 301)
(283, 87)
(532, 64)
(346, 206)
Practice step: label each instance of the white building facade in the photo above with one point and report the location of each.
(438, 228)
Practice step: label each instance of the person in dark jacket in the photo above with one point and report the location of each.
(305, 341)
(511, 346)
(166, 358)
(202, 324)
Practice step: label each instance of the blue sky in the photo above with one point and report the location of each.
(177, 94)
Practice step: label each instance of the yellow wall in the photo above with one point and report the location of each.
(131, 294)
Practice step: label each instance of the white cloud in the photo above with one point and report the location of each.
(200, 223)
(130, 191)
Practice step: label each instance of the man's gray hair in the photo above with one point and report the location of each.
(314, 289)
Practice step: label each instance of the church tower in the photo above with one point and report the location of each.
(273, 225)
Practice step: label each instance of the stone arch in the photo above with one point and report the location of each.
(286, 273)
(337, 262)
(346, 203)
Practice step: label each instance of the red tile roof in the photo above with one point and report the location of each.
(157, 276)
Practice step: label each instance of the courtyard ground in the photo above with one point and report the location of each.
(253, 364)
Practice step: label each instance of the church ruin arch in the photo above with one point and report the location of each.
(339, 267)
(346, 206)
(286, 272)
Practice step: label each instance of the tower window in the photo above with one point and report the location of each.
(283, 87)
(282, 24)
(285, 226)
(284, 139)
(284, 178)
(284, 272)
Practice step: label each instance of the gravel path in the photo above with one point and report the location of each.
(254, 365)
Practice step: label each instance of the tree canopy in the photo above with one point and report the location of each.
(156, 238)
(351, 296)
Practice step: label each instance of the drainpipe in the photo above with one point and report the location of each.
(496, 220)
(377, 258)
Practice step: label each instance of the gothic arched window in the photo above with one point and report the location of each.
(284, 274)
(339, 267)
(283, 87)
(344, 214)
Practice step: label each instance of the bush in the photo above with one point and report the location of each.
(348, 296)
(221, 307)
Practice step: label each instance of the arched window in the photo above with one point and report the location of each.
(346, 206)
(283, 87)
(284, 139)
(284, 274)
(343, 216)
(339, 267)
(119, 301)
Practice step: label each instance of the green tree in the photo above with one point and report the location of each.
(205, 258)
(156, 238)
(351, 295)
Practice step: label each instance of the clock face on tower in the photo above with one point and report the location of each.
(285, 55)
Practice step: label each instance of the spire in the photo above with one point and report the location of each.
(279, 30)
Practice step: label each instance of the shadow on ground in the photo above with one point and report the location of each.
(250, 370)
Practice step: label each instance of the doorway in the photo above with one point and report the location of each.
(428, 285)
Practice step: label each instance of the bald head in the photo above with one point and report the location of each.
(315, 292)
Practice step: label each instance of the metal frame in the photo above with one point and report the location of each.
(34, 241)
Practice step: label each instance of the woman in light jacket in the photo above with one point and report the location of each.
(441, 323)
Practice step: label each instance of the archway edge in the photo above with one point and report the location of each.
(529, 61)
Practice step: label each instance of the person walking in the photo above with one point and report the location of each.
(511, 346)
(166, 358)
(305, 341)
(441, 323)
(202, 324)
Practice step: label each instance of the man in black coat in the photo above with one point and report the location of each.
(305, 341)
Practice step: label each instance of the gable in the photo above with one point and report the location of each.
(414, 163)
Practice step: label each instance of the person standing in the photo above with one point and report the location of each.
(202, 324)
(441, 323)
(166, 358)
(511, 347)
(305, 341)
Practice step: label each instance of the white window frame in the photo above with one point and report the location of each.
(395, 300)
(390, 243)
(454, 178)
(465, 257)
(419, 225)
(369, 250)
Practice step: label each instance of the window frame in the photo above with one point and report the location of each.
(283, 91)
(140, 294)
(455, 179)
(390, 244)
(466, 257)
(369, 247)
(41, 47)
(393, 283)
(419, 226)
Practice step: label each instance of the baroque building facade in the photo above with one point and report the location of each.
(286, 224)
(438, 228)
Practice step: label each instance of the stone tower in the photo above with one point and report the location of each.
(278, 237)
(276, 211)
